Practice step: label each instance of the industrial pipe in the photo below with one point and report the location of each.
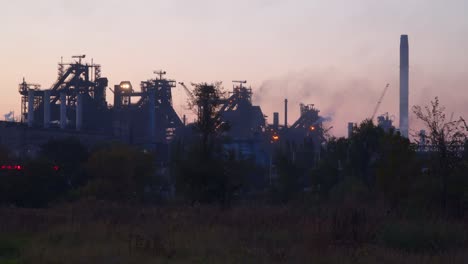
(152, 115)
(79, 111)
(46, 102)
(63, 110)
(30, 108)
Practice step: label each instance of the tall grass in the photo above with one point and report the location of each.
(110, 233)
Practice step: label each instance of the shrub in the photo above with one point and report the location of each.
(419, 237)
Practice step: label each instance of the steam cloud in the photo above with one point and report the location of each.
(336, 94)
(349, 97)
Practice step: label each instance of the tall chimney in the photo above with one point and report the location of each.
(404, 85)
(285, 113)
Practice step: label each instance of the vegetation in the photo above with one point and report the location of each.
(373, 197)
(103, 233)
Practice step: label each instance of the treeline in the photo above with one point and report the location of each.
(370, 167)
(65, 170)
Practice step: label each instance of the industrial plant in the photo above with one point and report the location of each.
(143, 115)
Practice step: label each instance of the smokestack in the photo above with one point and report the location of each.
(285, 113)
(152, 115)
(276, 120)
(46, 101)
(63, 110)
(79, 111)
(404, 85)
(30, 108)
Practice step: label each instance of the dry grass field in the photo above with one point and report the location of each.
(92, 232)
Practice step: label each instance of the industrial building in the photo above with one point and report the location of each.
(143, 115)
(76, 105)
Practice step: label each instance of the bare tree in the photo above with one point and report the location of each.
(446, 140)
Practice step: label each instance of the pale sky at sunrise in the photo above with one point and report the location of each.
(336, 54)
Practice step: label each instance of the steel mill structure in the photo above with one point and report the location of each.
(76, 105)
(143, 115)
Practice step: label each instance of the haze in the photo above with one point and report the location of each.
(338, 55)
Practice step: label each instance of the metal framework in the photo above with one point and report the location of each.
(237, 110)
(153, 107)
(73, 79)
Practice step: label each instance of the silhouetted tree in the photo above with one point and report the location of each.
(384, 162)
(396, 167)
(364, 151)
(36, 185)
(120, 173)
(446, 139)
(70, 155)
(330, 169)
(205, 171)
(208, 100)
(288, 184)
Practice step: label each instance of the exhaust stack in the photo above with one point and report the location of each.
(404, 85)
(285, 113)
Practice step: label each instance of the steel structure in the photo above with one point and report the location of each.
(146, 115)
(77, 100)
(245, 120)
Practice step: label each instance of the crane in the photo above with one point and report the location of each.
(187, 90)
(380, 101)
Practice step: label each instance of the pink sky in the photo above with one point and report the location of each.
(335, 54)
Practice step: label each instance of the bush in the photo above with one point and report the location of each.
(420, 237)
(120, 173)
(37, 185)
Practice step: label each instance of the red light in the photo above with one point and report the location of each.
(56, 168)
(11, 167)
